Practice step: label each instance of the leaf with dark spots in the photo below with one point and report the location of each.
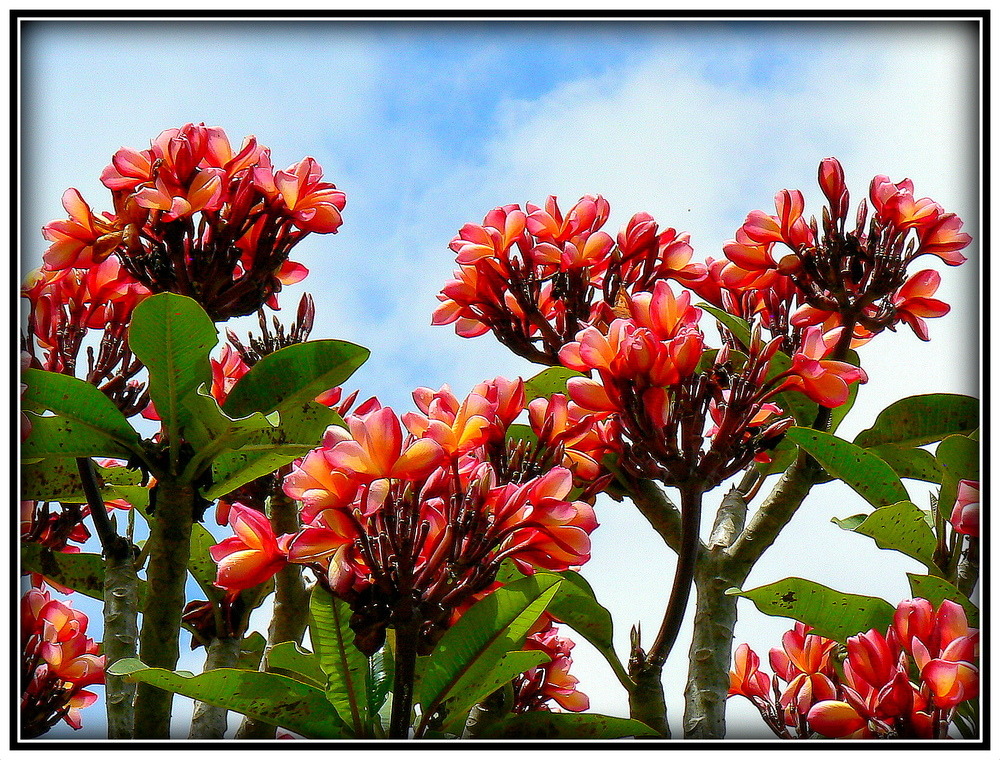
(831, 613)
(269, 697)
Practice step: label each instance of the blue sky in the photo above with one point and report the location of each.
(428, 125)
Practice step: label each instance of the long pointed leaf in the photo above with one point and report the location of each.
(486, 632)
(268, 697)
(346, 668)
(297, 663)
(510, 666)
(576, 606)
(548, 381)
(872, 478)
(64, 437)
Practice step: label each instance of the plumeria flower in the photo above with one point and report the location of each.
(824, 381)
(965, 516)
(250, 557)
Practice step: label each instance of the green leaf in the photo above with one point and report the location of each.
(379, 681)
(737, 326)
(872, 478)
(64, 437)
(58, 479)
(918, 420)
(551, 725)
(831, 613)
(343, 663)
(81, 572)
(294, 375)
(902, 527)
(576, 605)
(935, 590)
(549, 381)
(471, 648)
(850, 523)
(201, 565)
(264, 451)
(79, 401)
(289, 659)
(268, 697)
(172, 335)
(958, 458)
(510, 666)
(210, 431)
(251, 650)
(916, 464)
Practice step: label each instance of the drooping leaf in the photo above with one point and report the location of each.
(268, 697)
(294, 375)
(172, 335)
(576, 606)
(935, 590)
(291, 660)
(918, 420)
(346, 668)
(868, 475)
(64, 437)
(264, 451)
(58, 479)
(849, 523)
(916, 464)
(548, 381)
(82, 572)
(831, 613)
(77, 400)
(510, 666)
(902, 527)
(551, 725)
(471, 648)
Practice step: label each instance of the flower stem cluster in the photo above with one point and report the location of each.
(535, 277)
(855, 278)
(409, 530)
(195, 217)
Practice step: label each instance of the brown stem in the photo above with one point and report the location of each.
(402, 685)
(691, 495)
(169, 552)
(968, 567)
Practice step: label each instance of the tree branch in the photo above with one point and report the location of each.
(656, 508)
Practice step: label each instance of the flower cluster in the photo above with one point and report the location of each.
(59, 660)
(551, 681)
(799, 273)
(194, 216)
(535, 276)
(65, 304)
(906, 683)
(409, 528)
